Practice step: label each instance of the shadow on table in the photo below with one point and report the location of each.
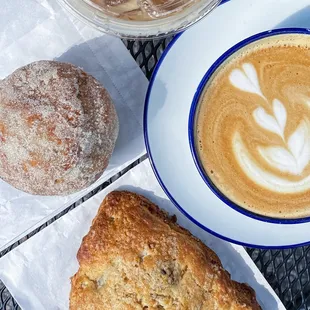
(159, 95)
(230, 257)
(298, 19)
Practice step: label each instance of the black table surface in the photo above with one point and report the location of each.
(287, 271)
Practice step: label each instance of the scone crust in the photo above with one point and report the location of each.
(136, 257)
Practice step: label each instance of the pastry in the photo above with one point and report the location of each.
(58, 127)
(136, 257)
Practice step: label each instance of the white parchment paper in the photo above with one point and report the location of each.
(40, 29)
(37, 273)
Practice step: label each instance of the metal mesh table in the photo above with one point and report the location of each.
(287, 271)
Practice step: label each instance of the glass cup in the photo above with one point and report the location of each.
(143, 19)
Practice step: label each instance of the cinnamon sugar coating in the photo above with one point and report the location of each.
(58, 128)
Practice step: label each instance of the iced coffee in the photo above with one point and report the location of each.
(142, 10)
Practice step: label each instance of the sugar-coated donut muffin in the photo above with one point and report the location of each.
(58, 128)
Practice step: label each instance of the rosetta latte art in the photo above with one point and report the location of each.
(252, 127)
(292, 157)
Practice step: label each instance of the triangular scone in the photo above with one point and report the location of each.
(136, 257)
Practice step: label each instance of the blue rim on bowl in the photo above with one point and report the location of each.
(192, 115)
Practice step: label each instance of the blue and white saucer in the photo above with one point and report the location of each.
(170, 95)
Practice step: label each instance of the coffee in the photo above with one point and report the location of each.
(252, 127)
(144, 10)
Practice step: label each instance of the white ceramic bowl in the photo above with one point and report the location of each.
(191, 124)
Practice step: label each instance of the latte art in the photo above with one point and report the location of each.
(253, 127)
(293, 156)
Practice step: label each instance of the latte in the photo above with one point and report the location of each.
(252, 127)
